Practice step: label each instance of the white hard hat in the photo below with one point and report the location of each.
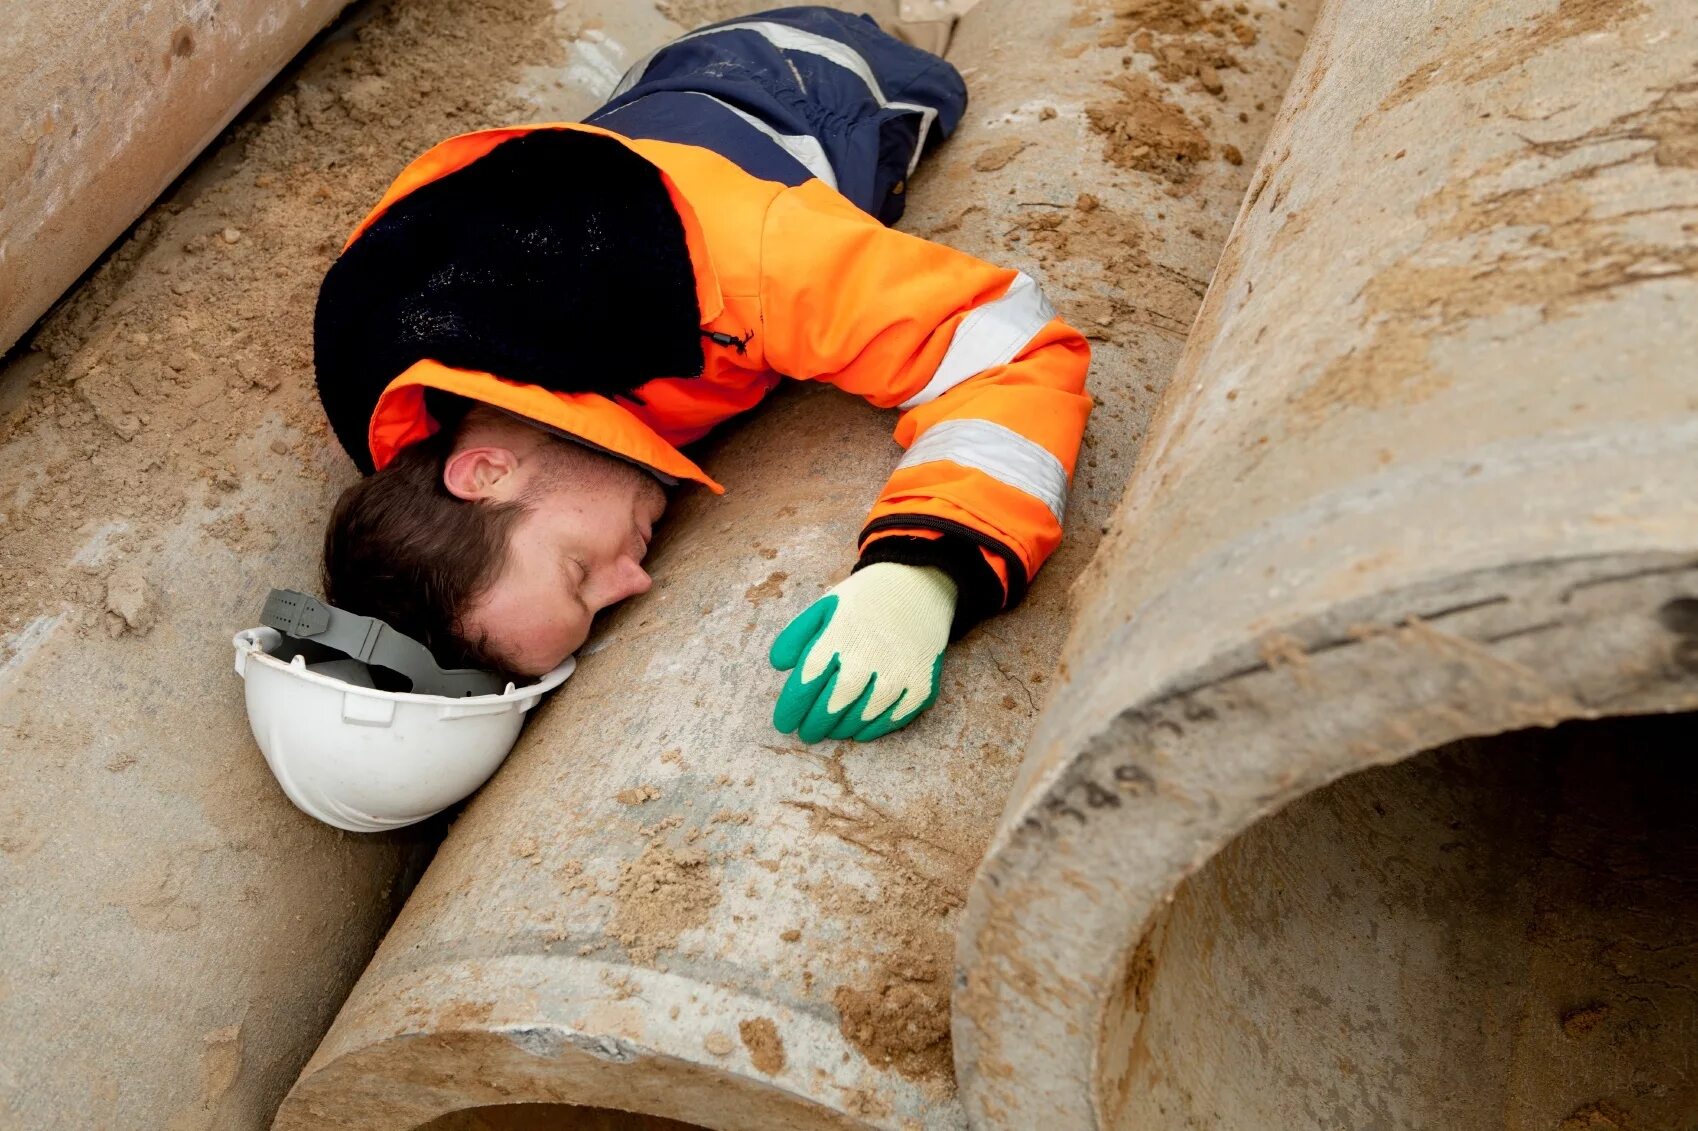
(367, 760)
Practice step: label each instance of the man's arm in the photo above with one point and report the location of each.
(992, 388)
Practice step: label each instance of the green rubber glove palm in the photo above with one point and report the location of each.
(866, 658)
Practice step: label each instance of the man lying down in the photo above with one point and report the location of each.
(532, 323)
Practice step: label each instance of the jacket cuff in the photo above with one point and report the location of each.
(978, 590)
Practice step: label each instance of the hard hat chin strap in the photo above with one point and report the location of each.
(372, 642)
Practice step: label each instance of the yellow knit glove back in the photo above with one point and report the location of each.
(866, 658)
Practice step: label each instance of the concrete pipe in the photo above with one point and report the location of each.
(1424, 473)
(176, 936)
(660, 904)
(104, 105)
(1497, 933)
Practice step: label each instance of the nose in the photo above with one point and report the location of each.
(633, 578)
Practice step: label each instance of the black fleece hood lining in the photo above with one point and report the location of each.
(556, 259)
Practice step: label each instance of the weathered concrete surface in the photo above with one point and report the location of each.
(1497, 934)
(1425, 472)
(929, 23)
(176, 935)
(660, 904)
(104, 105)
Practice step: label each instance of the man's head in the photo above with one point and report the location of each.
(495, 543)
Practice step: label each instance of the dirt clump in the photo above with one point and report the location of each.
(766, 1048)
(1142, 130)
(1602, 1116)
(1085, 231)
(1094, 251)
(242, 533)
(1579, 1022)
(864, 1102)
(770, 589)
(996, 156)
(898, 1023)
(897, 1012)
(1129, 18)
(132, 602)
(1190, 42)
(1189, 62)
(661, 894)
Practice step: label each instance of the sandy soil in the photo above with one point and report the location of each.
(119, 417)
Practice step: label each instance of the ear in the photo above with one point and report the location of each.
(482, 474)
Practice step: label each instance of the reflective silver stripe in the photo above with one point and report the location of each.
(787, 38)
(999, 452)
(990, 335)
(803, 147)
(928, 115)
(781, 36)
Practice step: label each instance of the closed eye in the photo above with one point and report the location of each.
(583, 578)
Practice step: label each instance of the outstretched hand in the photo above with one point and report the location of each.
(866, 658)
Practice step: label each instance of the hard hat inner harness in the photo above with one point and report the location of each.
(372, 642)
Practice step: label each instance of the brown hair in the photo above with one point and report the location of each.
(400, 547)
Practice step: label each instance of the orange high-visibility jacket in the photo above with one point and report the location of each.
(797, 282)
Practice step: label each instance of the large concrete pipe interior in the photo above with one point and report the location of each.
(1500, 933)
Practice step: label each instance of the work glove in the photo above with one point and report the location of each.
(866, 658)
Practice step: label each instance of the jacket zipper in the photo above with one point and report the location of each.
(741, 345)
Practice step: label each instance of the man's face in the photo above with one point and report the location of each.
(576, 549)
